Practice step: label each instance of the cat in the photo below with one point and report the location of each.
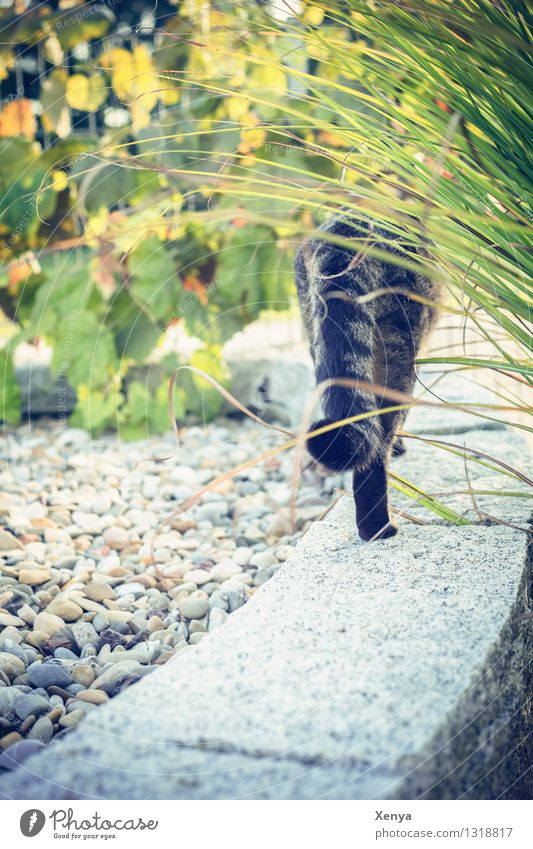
(372, 340)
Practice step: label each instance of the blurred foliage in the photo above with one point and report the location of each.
(160, 174)
(100, 252)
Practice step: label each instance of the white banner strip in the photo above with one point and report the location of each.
(272, 825)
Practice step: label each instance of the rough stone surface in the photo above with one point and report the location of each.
(392, 670)
(471, 488)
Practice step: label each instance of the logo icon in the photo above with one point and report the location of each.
(32, 822)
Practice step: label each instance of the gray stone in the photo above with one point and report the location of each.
(273, 386)
(131, 588)
(73, 436)
(84, 634)
(117, 672)
(18, 753)
(8, 697)
(31, 704)
(11, 665)
(43, 730)
(49, 673)
(41, 394)
(193, 608)
(217, 617)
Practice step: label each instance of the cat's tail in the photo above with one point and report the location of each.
(343, 348)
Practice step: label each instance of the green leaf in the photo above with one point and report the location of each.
(9, 390)
(85, 352)
(74, 26)
(59, 302)
(146, 411)
(202, 398)
(103, 186)
(97, 409)
(136, 333)
(154, 278)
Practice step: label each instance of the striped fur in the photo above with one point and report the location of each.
(374, 341)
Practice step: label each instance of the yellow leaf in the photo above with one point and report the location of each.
(78, 91)
(236, 107)
(253, 138)
(17, 119)
(7, 62)
(86, 93)
(271, 79)
(56, 113)
(59, 181)
(314, 15)
(134, 80)
(169, 95)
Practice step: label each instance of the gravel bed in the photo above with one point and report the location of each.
(98, 587)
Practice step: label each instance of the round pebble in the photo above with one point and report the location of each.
(193, 607)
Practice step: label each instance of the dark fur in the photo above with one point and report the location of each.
(375, 342)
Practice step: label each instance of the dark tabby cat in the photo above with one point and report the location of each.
(373, 340)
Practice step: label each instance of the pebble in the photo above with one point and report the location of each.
(130, 588)
(11, 665)
(84, 634)
(83, 674)
(99, 591)
(11, 633)
(49, 673)
(263, 559)
(116, 537)
(27, 614)
(8, 542)
(242, 555)
(196, 637)
(193, 608)
(42, 730)
(217, 617)
(70, 720)
(34, 577)
(48, 623)
(94, 697)
(7, 619)
(29, 704)
(198, 577)
(116, 673)
(224, 570)
(65, 608)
